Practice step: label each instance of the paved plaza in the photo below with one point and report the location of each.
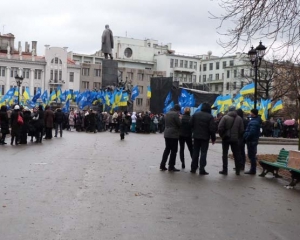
(88, 186)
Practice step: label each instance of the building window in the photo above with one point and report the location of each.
(97, 72)
(242, 73)
(210, 76)
(234, 73)
(181, 63)
(217, 65)
(97, 85)
(195, 65)
(13, 72)
(139, 101)
(242, 84)
(2, 89)
(231, 63)
(234, 85)
(141, 89)
(34, 90)
(128, 52)
(140, 76)
(227, 86)
(217, 87)
(85, 72)
(200, 78)
(176, 62)
(211, 66)
(171, 63)
(129, 75)
(2, 71)
(224, 64)
(228, 74)
(194, 78)
(71, 77)
(37, 74)
(148, 102)
(55, 76)
(51, 75)
(204, 67)
(60, 75)
(56, 61)
(26, 73)
(85, 84)
(191, 64)
(190, 78)
(217, 76)
(185, 64)
(204, 78)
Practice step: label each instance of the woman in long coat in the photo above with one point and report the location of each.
(25, 126)
(4, 123)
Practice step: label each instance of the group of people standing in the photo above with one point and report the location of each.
(197, 130)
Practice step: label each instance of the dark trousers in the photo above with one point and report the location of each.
(171, 146)
(199, 145)
(3, 138)
(242, 145)
(236, 154)
(48, 133)
(122, 131)
(189, 143)
(147, 128)
(252, 150)
(58, 125)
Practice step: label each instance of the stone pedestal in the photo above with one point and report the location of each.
(109, 73)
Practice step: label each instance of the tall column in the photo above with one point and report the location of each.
(7, 82)
(31, 86)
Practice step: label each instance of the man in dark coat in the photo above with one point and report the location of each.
(59, 118)
(204, 128)
(232, 123)
(25, 126)
(107, 42)
(15, 126)
(49, 120)
(251, 137)
(185, 135)
(4, 124)
(147, 121)
(171, 134)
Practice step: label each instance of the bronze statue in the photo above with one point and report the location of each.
(107, 42)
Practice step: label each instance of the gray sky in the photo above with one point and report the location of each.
(79, 24)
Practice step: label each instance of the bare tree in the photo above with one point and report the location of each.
(275, 20)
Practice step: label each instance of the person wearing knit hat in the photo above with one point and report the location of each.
(230, 128)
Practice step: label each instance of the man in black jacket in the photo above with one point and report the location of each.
(59, 117)
(204, 128)
(171, 134)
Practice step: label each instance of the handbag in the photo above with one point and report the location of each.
(227, 134)
(20, 120)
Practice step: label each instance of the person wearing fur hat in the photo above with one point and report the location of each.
(231, 128)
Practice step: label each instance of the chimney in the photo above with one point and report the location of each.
(34, 46)
(26, 47)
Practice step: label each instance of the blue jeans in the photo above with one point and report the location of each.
(199, 145)
(252, 150)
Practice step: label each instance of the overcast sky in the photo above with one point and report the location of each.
(78, 25)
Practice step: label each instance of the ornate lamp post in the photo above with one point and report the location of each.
(19, 81)
(256, 55)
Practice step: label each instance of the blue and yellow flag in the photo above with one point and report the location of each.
(248, 89)
(37, 95)
(44, 97)
(124, 99)
(26, 94)
(148, 92)
(277, 106)
(53, 96)
(58, 93)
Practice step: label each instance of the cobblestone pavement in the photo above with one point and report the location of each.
(93, 186)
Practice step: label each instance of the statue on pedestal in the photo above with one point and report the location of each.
(107, 42)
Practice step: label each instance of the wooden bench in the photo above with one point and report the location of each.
(282, 162)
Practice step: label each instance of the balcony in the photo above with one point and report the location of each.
(181, 69)
(56, 82)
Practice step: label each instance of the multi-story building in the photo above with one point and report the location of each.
(46, 72)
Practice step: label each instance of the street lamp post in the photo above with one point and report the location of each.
(19, 81)
(256, 55)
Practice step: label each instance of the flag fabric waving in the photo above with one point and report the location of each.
(148, 92)
(135, 93)
(248, 89)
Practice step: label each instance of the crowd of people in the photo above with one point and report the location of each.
(39, 122)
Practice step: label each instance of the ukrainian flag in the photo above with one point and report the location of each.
(68, 95)
(26, 94)
(16, 93)
(277, 106)
(118, 97)
(58, 93)
(248, 89)
(124, 99)
(148, 92)
(226, 100)
(52, 96)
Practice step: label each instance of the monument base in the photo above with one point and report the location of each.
(109, 73)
